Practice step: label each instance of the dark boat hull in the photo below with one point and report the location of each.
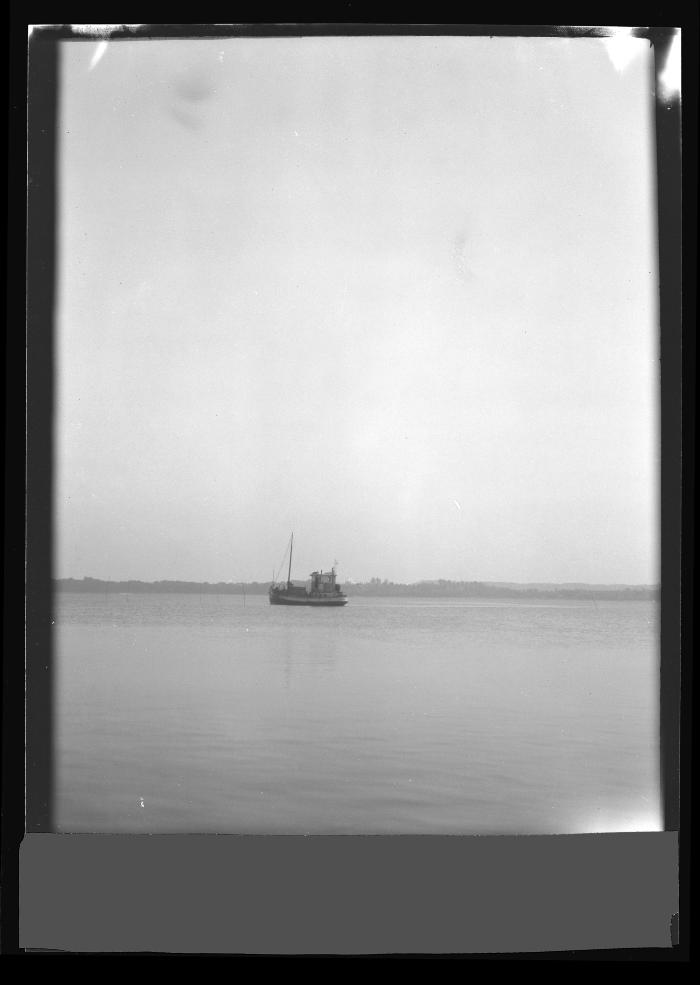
(280, 598)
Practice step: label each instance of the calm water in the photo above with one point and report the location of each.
(197, 713)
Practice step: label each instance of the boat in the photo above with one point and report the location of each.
(321, 589)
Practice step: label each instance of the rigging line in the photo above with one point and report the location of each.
(279, 568)
(284, 558)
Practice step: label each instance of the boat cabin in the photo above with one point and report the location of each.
(322, 583)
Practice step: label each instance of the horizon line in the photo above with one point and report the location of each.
(388, 581)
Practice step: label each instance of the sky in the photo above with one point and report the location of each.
(397, 295)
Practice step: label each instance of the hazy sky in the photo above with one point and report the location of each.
(398, 295)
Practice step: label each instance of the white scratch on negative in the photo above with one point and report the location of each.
(622, 47)
(670, 78)
(99, 52)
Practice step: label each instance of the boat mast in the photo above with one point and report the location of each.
(289, 575)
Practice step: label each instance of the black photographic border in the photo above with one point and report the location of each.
(483, 874)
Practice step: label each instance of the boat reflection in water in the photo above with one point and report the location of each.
(320, 590)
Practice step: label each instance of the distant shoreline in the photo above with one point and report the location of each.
(375, 587)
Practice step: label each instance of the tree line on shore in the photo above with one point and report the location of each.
(375, 587)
